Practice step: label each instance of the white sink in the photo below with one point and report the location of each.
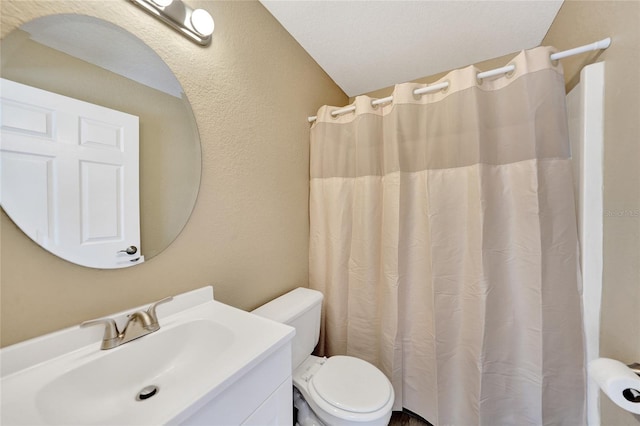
(198, 352)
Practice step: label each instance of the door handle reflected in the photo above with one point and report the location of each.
(130, 250)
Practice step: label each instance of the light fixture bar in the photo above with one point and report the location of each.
(197, 25)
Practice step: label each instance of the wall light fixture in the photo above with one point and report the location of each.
(196, 25)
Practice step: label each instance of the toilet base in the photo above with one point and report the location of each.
(305, 416)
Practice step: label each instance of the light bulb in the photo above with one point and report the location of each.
(202, 22)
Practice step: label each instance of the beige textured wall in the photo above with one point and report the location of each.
(251, 92)
(581, 22)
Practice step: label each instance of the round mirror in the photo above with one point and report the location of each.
(78, 95)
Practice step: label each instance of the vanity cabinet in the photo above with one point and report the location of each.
(260, 397)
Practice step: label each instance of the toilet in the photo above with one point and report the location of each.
(334, 391)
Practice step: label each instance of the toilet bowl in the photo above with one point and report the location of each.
(344, 390)
(339, 390)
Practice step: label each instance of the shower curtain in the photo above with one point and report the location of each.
(444, 238)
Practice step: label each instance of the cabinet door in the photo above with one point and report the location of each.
(276, 410)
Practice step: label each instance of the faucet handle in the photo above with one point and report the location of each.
(152, 309)
(110, 329)
(111, 334)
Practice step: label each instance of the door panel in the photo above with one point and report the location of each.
(26, 118)
(35, 212)
(101, 198)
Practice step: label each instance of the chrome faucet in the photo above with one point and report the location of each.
(139, 324)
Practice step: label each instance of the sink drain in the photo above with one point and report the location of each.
(147, 392)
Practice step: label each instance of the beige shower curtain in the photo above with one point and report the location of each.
(443, 236)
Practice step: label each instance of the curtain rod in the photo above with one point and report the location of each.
(598, 45)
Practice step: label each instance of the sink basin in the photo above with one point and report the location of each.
(196, 353)
(105, 387)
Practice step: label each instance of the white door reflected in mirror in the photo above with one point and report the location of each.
(70, 176)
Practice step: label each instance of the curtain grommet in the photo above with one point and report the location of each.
(512, 72)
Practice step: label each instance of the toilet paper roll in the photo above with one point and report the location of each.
(618, 382)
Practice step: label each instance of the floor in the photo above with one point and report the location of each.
(399, 418)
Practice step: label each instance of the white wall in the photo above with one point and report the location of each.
(585, 105)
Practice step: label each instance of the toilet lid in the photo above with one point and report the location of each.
(351, 384)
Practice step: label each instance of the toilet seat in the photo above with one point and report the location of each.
(346, 388)
(350, 384)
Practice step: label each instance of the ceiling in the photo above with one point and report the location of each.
(367, 45)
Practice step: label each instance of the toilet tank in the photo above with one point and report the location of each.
(301, 309)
